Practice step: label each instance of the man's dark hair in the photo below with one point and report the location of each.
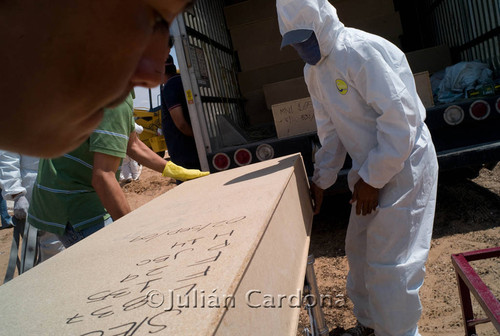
(170, 42)
(170, 68)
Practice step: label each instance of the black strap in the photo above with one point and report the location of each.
(29, 249)
(14, 261)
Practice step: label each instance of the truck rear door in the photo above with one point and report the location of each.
(208, 69)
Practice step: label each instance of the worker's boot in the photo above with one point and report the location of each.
(359, 330)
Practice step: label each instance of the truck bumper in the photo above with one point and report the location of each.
(471, 156)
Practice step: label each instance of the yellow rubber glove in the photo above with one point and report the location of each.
(181, 173)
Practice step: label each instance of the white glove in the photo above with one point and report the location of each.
(138, 128)
(21, 206)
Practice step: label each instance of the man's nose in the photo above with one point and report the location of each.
(149, 73)
(151, 67)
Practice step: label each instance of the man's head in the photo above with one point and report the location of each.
(306, 44)
(170, 69)
(69, 60)
(310, 26)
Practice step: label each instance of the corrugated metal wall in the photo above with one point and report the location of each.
(211, 51)
(470, 27)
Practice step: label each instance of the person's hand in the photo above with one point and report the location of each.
(317, 197)
(181, 173)
(21, 206)
(365, 196)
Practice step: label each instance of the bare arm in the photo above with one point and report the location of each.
(180, 121)
(107, 187)
(141, 153)
(138, 151)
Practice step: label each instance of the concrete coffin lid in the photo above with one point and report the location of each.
(224, 232)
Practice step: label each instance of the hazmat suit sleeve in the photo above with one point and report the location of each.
(398, 115)
(330, 157)
(10, 174)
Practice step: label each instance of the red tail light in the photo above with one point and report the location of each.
(498, 105)
(221, 161)
(242, 157)
(479, 110)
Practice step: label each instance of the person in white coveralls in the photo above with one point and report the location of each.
(17, 176)
(131, 169)
(366, 104)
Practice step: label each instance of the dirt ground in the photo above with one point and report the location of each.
(467, 218)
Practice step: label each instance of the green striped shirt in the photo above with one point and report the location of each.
(63, 193)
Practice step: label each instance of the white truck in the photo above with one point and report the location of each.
(233, 71)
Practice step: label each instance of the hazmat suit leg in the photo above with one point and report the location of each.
(135, 169)
(356, 241)
(49, 245)
(125, 170)
(387, 249)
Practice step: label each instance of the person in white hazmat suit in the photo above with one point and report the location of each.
(18, 174)
(131, 169)
(366, 104)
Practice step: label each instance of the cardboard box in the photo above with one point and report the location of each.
(264, 31)
(249, 11)
(294, 117)
(387, 26)
(424, 88)
(212, 240)
(262, 55)
(256, 79)
(258, 44)
(429, 59)
(284, 91)
(349, 11)
(256, 109)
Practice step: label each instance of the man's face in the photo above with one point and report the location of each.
(68, 60)
(309, 50)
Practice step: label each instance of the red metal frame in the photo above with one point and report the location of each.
(470, 282)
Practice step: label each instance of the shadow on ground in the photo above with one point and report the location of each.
(458, 202)
(465, 202)
(330, 226)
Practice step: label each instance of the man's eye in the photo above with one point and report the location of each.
(160, 23)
